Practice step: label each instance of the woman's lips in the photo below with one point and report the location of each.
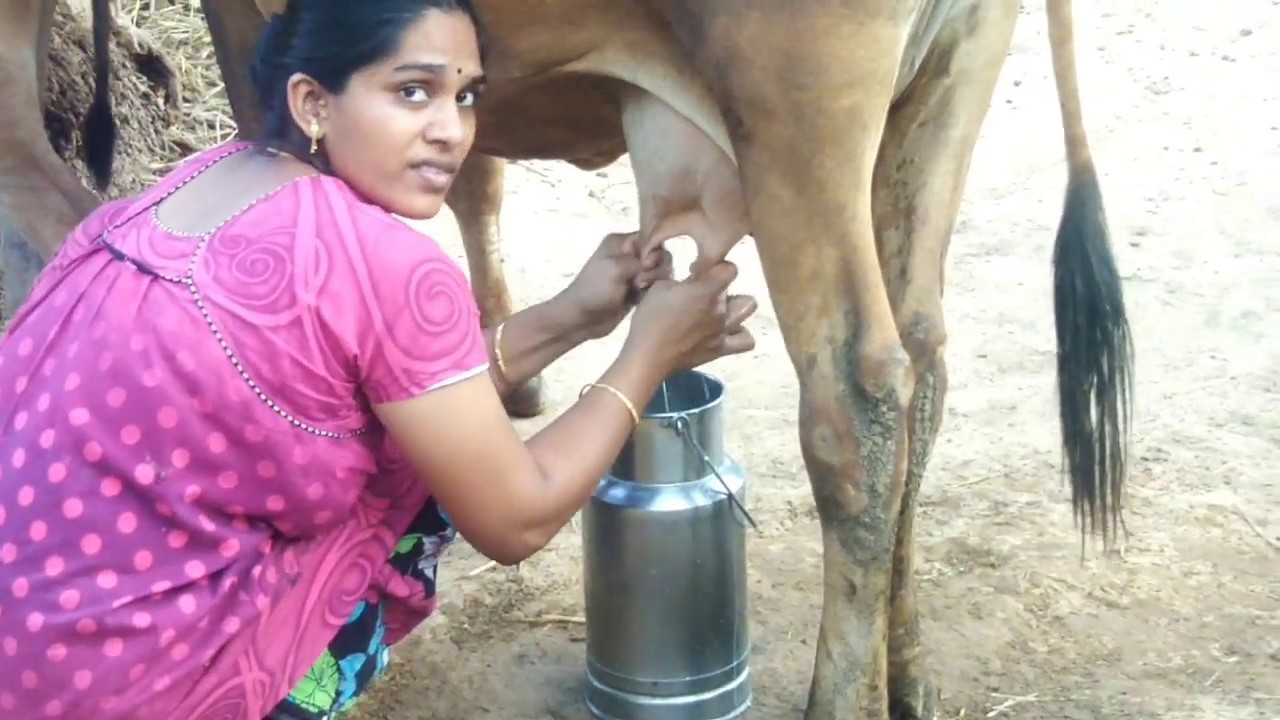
(435, 176)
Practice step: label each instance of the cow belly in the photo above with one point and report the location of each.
(686, 175)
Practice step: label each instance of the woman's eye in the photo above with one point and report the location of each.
(415, 93)
(466, 98)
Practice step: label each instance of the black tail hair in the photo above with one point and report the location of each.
(99, 128)
(1095, 356)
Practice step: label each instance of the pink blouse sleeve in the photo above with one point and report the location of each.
(404, 311)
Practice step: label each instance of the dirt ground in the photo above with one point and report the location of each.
(1186, 625)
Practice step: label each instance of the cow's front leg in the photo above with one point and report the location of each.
(476, 201)
(920, 178)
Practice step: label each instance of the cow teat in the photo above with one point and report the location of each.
(686, 184)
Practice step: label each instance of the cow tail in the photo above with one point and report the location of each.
(1095, 350)
(99, 129)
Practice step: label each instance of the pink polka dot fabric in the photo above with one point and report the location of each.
(194, 493)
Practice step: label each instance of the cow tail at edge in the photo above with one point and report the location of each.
(99, 129)
(1095, 350)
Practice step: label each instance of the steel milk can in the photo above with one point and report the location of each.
(665, 576)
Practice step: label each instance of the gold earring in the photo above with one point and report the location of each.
(315, 135)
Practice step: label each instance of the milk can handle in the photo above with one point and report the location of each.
(682, 429)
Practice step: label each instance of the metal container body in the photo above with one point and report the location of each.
(664, 551)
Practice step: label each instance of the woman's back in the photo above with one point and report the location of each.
(187, 436)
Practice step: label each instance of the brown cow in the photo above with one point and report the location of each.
(839, 134)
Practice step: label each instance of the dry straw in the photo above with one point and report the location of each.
(179, 31)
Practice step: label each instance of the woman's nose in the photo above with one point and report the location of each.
(446, 126)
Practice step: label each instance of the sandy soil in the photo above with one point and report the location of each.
(1187, 624)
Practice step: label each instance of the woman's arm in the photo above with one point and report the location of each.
(507, 497)
(418, 355)
(532, 339)
(597, 300)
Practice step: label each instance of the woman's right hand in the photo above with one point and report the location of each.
(683, 324)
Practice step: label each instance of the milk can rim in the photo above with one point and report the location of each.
(721, 391)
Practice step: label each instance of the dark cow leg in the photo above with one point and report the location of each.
(920, 178)
(476, 201)
(19, 266)
(234, 28)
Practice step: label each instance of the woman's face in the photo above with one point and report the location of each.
(399, 131)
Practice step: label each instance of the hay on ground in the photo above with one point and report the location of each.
(178, 29)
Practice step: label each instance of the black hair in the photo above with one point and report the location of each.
(329, 41)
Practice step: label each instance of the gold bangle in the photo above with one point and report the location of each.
(635, 416)
(497, 351)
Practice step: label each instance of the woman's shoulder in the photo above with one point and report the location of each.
(336, 214)
(397, 305)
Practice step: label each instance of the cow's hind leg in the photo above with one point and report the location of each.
(235, 27)
(806, 119)
(920, 178)
(41, 198)
(476, 201)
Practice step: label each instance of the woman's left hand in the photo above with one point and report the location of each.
(612, 281)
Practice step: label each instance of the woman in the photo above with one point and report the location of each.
(234, 405)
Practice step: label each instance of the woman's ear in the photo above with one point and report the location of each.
(307, 106)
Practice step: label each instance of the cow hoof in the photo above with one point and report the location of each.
(526, 401)
(913, 698)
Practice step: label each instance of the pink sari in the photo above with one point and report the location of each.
(194, 494)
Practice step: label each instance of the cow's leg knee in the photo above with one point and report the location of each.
(806, 120)
(234, 28)
(476, 201)
(41, 198)
(920, 179)
(852, 417)
(855, 381)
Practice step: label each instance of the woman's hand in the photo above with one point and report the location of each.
(681, 325)
(612, 281)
